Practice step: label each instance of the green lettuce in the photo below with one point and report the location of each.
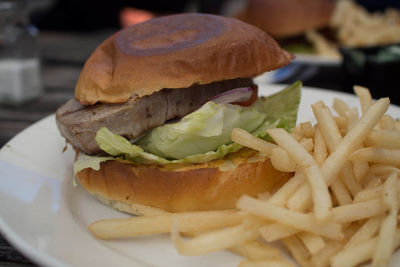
(202, 135)
(203, 130)
(85, 161)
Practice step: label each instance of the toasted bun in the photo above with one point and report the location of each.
(178, 188)
(176, 52)
(287, 18)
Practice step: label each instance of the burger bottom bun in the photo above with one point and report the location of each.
(215, 185)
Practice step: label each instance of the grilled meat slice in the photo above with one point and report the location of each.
(79, 124)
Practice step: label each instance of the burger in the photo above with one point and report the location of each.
(288, 21)
(154, 108)
(288, 18)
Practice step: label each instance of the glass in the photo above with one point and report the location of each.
(20, 78)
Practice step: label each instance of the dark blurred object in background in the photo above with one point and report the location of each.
(378, 5)
(287, 18)
(130, 16)
(78, 15)
(375, 67)
(93, 21)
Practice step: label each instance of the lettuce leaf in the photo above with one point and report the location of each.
(204, 134)
(85, 161)
(203, 130)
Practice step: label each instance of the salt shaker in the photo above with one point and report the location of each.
(20, 77)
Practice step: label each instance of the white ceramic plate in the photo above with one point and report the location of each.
(318, 59)
(44, 216)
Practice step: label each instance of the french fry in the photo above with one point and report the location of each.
(348, 178)
(218, 239)
(285, 191)
(257, 251)
(321, 44)
(368, 194)
(364, 96)
(360, 169)
(360, 253)
(144, 225)
(301, 221)
(342, 124)
(341, 193)
(244, 138)
(307, 129)
(313, 243)
(350, 229)
(265, 263)
(297, 250)
(276, 231)
(372, 181)
(383, 169)
(281, 161)
(340, 107)
(386, 238)
(264, 195)
(366, 231)
(320, 194)
(323, 256)
(327, 125)
(307, 144)
(388, 123)
(379, 155)
(358, 211)
(297, 133)
(352, 117)
(298, 138)
(384, 139)
(300, 200)
(373, 193)
(320, 149)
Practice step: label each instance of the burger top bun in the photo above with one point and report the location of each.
(175, 52)
(287, 18)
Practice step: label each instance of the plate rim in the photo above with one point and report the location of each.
(320, 60)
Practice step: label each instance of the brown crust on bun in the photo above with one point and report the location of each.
(287, 18)
(176, 52)
(183, 187)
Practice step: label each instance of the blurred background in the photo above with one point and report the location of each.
(336, 43)
(44, 44)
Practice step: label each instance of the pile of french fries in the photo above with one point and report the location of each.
(357, 27)
(340, 208)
